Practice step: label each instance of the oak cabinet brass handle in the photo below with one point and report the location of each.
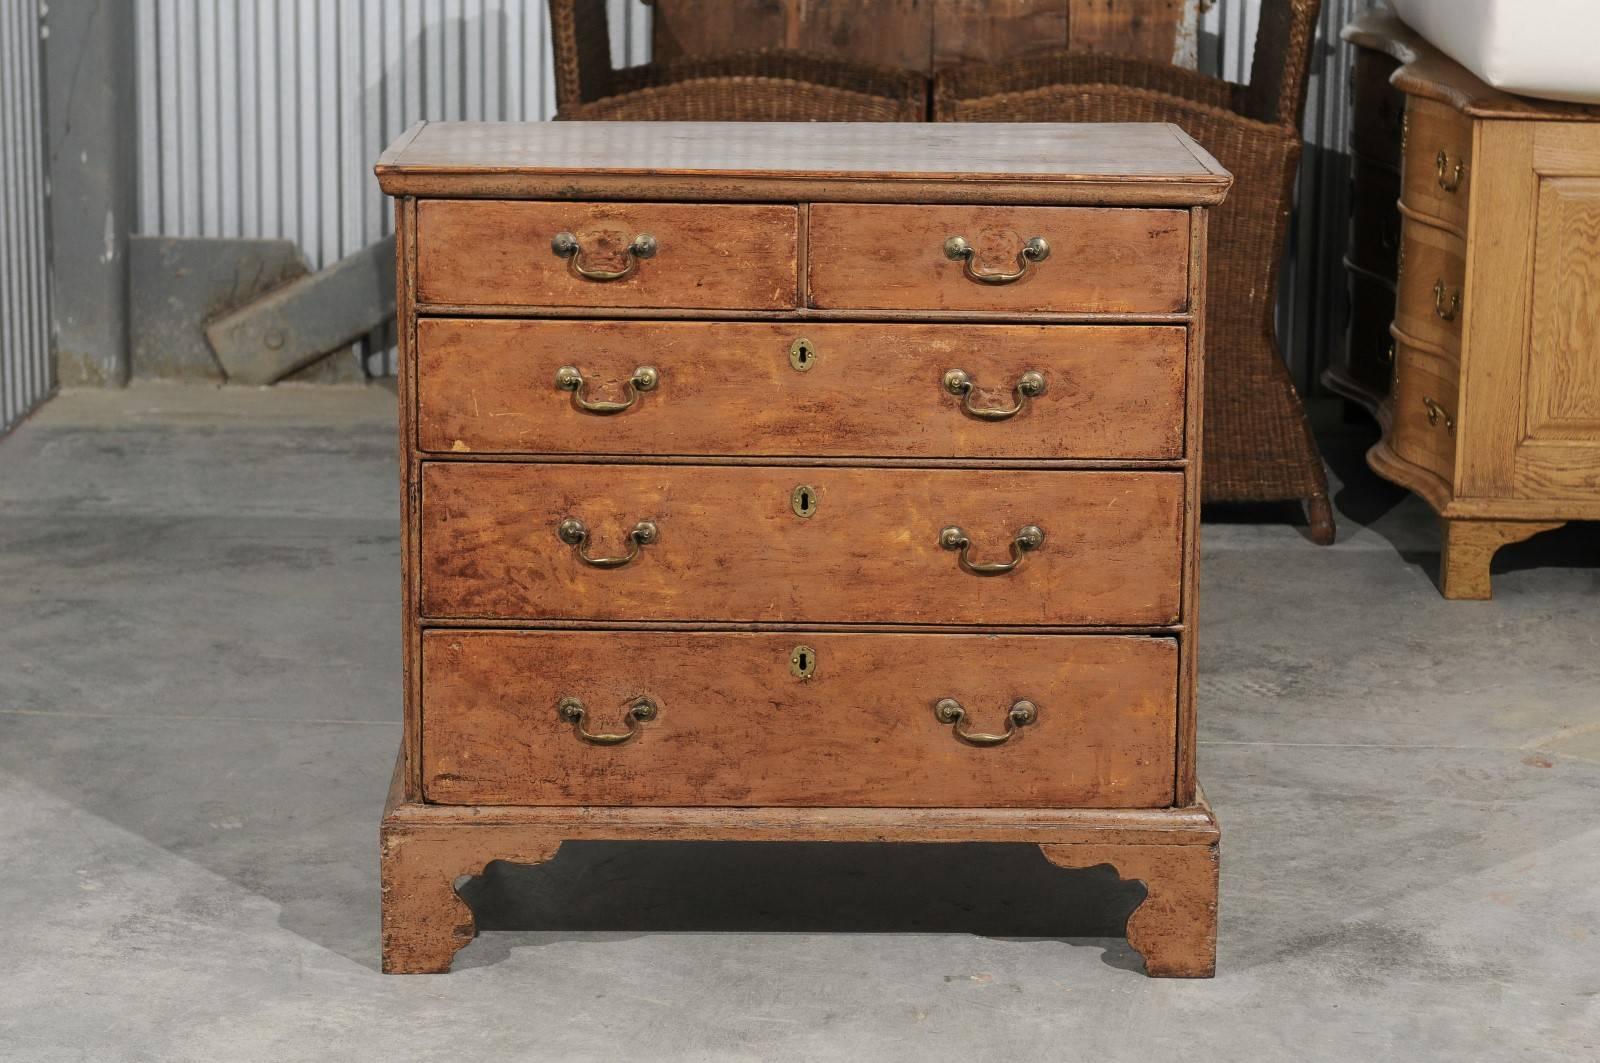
(1028, 538)
(572, 532)
(1441, 165)
(958, 250)
(1021, 713)
(644, 378)
(565, 245)
(640, 710)
(1437, 413)
(1447, 309)
(959, 383)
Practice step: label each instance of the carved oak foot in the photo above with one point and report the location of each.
(1469, 547)
(425, 922)
(1175, 928)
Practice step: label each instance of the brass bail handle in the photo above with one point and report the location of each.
(957, 249)
(565, 245)
(1449, 180)
(644, 378)
(1021, 713)
(575, 534)
(1027, 538)
(1446, 309)
(640, 710)
(959, 382)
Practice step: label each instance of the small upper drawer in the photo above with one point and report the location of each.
(1009, 259)
(668, 255)
(1438, 164)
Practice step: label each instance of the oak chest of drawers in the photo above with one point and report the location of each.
(799, 483)
(1474, 331)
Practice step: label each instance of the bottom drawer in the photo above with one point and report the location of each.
(734, 723)
(1425, 407)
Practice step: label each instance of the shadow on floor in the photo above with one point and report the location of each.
(634, 888)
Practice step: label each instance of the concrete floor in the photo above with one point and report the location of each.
(199, 709)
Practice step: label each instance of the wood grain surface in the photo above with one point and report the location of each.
(731, 547)
(1431, 128)
(1429, 442)
(1432, 256)
(1100, 164)
(918, 34)
(861, 731)
(892, 256)
(496, 252)
(730, 388)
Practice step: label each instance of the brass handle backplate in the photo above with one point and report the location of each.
(958, 250)
(1449, 179)
(1437, 413)
(573, 532)
(565, 245)
(1021, 713)
(640, 710)
(1028, 538)
(1447, 308)
(959, 383)
(644, 378)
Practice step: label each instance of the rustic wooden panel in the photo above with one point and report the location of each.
(1564, 360)
(861, 731)
(488, 386)
(922, 35)
(731, 548)
(1144, 28)
(986, 31)
(1101, 260)
(495, 252)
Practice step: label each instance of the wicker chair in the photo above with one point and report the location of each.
(758, 86)
(1259, 446)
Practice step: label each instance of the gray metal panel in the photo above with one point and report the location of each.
(27, 371)
(262, 118)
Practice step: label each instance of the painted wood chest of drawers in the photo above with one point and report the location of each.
(800, 483)
(1474, 260)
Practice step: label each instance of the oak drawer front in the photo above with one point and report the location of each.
(729, 723)
(1432, 287)
(1426, 402)
(704, 256)
(728, 543)
(729, 388)
(1100, 260)
(1437, 171)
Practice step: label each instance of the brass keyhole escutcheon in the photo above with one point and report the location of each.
(802, 355)
(802, 662)
(803, 500)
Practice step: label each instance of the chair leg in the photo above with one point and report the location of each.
(1319, 514)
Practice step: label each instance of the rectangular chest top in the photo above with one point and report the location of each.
(1102, 164)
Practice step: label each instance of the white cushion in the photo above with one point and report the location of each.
(1547, 48)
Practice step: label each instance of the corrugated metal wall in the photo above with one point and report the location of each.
(27, 371)
(263, 118)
